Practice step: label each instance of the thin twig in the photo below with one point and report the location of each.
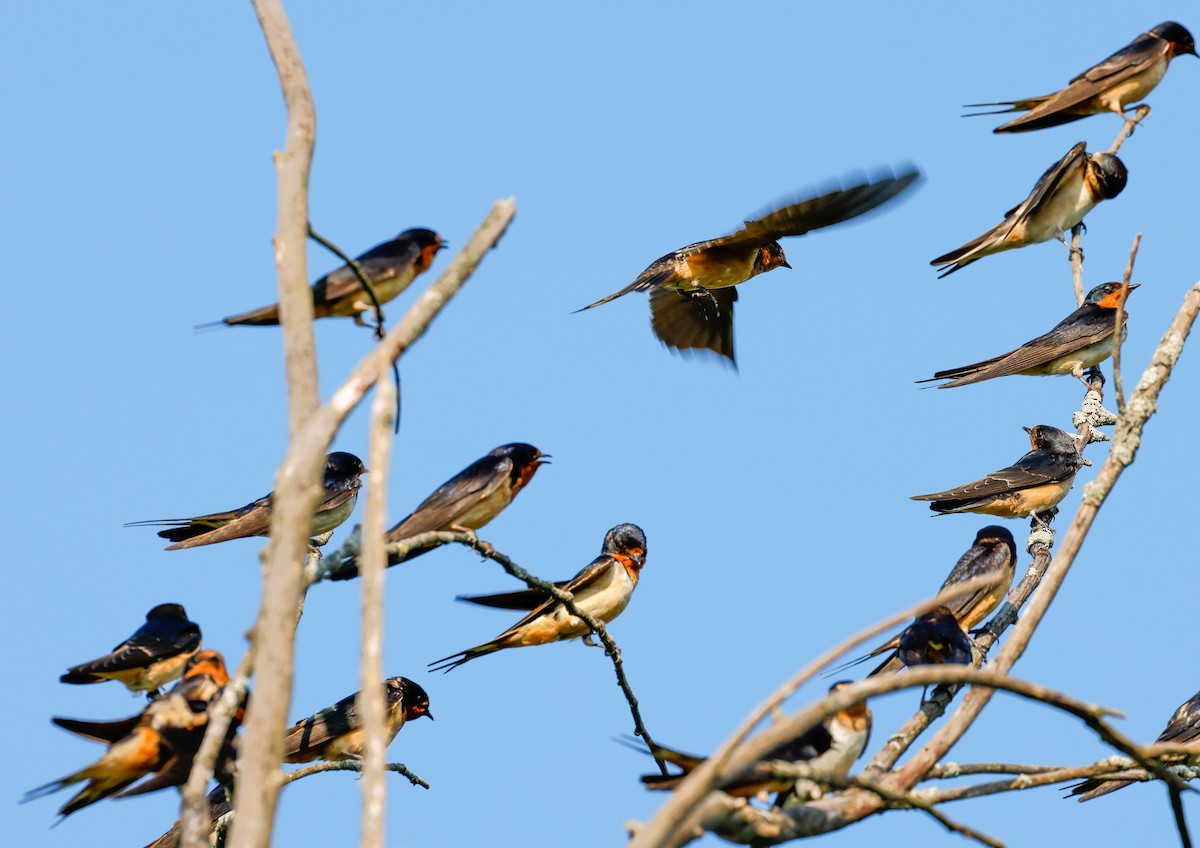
(1185, 839)
(1140, 115)
(372, 565)
(901, 800)
(1118, 331)
(361, 276)
(351, 765)
(194, 811)
(1076, 256)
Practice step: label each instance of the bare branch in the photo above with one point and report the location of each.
(370, 702)
(1119, 319)
(1076, 256)
(351, 765)
(1142, 113)
(901, 800)
(295, 489)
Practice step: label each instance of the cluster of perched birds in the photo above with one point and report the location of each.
(692, 291)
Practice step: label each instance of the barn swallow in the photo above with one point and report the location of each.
(993, 554)
(162, 742)
(159, 744)
(830, 749)
(467, 501)
(1182, 729)
(336, 733)
(602, 589)
(1080, 341)
(391, 267)
(218, 805)
(204, 677)
(691, 289)
(1033, 484)
(341, 484)
(1123, 78)
(1062, 197)
(152, 657)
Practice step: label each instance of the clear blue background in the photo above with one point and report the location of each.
(140, 201)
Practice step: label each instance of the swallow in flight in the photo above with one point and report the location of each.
(152, 657)
(1033, 484)
(391, 267)
(1182, 729)
(692, 289)
(602, 589)
(1122, 79)
(830, 749)
(341, 484)
(1062, 197)
(336, 733)
(1078, 342)
(993, 555)
(467, 501)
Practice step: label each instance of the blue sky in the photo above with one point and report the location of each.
(141, 196)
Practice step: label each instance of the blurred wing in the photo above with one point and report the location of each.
(798, 217)
(702, 322)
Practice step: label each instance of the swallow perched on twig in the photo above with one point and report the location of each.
(602, 589)
(993, 555)
(340, 483)
(1122, 79)
(1182, 729)
(1062, 197)
(218, 805)
(1080, 341)
(467, 501)
(391, 267)
(1033, 484)
(336, 733)
(152, 657)
(829, 748)
(159, 744)
(691, 289)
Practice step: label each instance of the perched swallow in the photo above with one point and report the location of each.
(391, 267)
(602, 590)
(1182, 729)
(1062, 197)
(218, 805)
(336, 733)
(152, 657)
(159, 744)
(1033, 484)
(830, 749)
(691, 289)
(1123, 78)
(467, 501)
(1081, 340)
(994, 555)
(204, 677)
(341, 484)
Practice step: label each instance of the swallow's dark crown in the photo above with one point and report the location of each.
(341, 467)
(623, 537)
(167, 611)
(401, 688)
(1111, 174)
(1104, 290)
(1045, 437)
(1178, 35)
(422, 236)
(520, 453)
